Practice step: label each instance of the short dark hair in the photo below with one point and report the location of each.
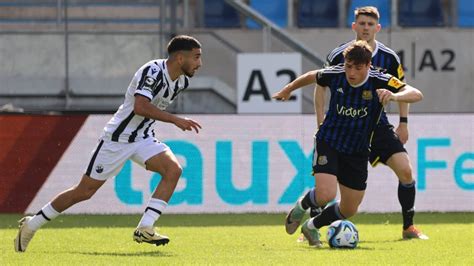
(358, 53)
(182, 43)
(370, 11)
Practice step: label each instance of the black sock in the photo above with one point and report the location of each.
(309, 200)
(406, 197)
(329, 215)
(313, 212)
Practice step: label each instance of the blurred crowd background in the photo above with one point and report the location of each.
(79, 55)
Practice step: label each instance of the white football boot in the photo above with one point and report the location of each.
(24, 236)
(148, 235)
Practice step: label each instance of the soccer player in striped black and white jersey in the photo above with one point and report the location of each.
(129, 135)
(387, 143)
(358, 93)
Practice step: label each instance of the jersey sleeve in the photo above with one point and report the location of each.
(323, 77)
(396, 68)
(150, 81)
(334, 59)
(391, 83)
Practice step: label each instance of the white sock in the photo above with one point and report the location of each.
(311, 224)
(152, 212)
(46, 214)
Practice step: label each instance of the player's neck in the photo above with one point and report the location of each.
(360, 83)
(173, 70)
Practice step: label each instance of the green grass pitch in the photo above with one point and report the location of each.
(256, 239)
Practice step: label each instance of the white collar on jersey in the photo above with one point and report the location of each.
(376, 48)
(362, 83)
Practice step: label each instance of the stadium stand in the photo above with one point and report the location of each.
(122, 34)
(274, 10)
(465, 11)
(426, 13)
(382, 5)
(219, 14)
(317, 13)
(42, 11)
(141, 12)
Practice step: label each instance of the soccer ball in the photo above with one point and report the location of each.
(342, 234)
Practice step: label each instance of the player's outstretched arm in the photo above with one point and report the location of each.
(303, 80)
(143, 107)
(407, 94)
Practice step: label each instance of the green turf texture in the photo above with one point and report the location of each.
(251, 239)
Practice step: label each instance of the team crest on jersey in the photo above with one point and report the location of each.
(99, 168)
(322, 160)
(367, 95)
(396, 83)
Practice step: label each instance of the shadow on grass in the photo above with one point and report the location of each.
(326, 247)
(385, 241)
(127, 254)
(205, 220)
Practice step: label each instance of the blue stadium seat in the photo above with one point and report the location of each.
(417, 13)
(219, 14)
(382, 5)
(465, 13)
(317, 13)
(274, 10)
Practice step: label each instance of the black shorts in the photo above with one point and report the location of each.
(350, 169)
(385, 143)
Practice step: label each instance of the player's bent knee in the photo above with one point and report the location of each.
(173, 173)
(405, 175)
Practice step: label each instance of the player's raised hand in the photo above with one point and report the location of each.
(385, 96)
(187, 124)
(282, 95)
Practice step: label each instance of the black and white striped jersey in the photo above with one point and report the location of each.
(152, 81)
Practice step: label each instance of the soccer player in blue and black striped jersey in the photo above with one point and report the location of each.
(358, 93)
(387, 143)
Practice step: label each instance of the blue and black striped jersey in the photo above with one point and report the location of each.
(353, 111)
(383, 58)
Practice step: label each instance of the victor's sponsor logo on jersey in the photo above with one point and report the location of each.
(351, 112)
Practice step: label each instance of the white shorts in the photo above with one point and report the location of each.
(109, 157)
